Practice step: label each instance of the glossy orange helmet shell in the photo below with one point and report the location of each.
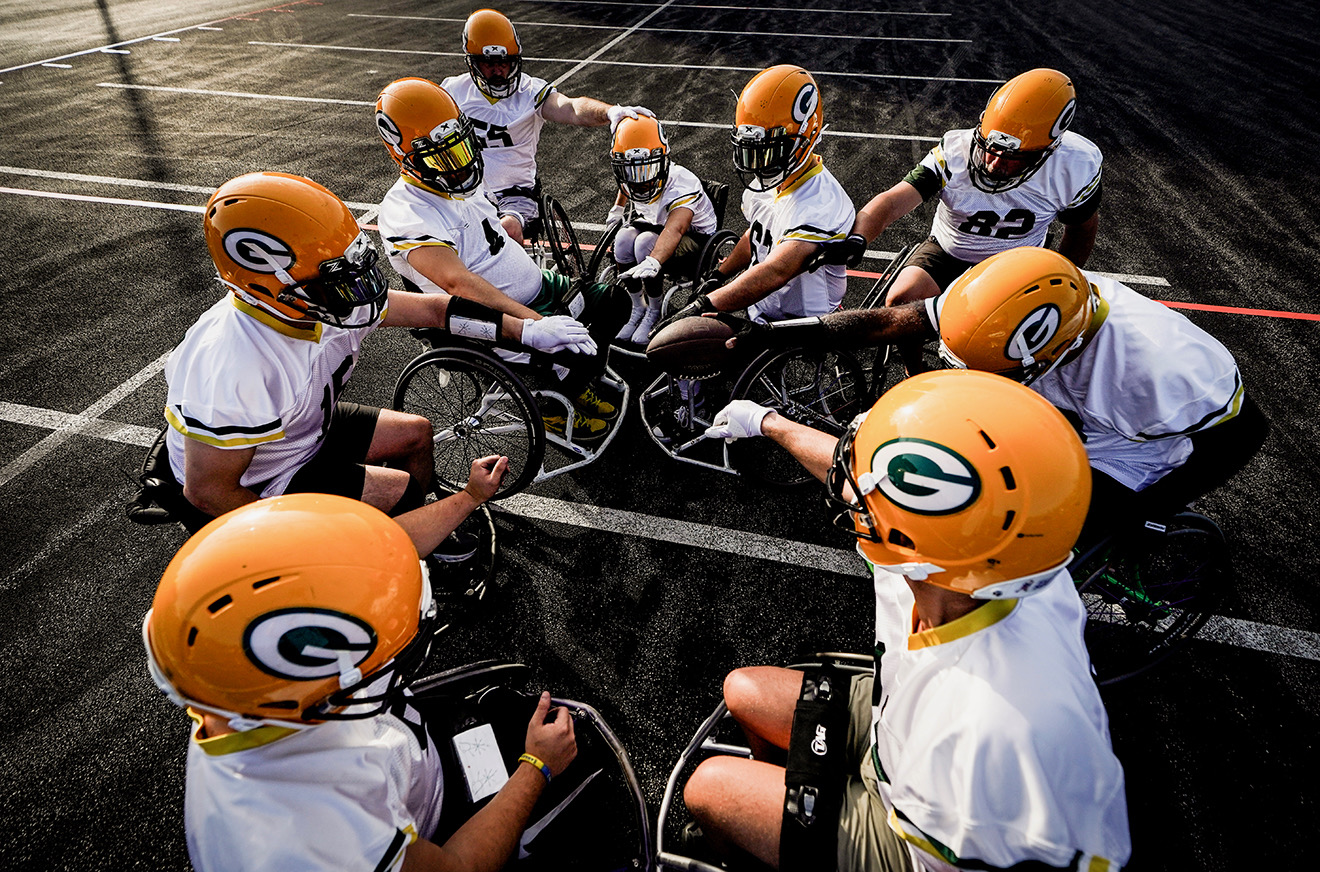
(777, 123)
(1023, 122)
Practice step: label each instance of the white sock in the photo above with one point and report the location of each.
(638, 310)
(642, 334)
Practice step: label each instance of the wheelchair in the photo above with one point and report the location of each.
(551, 240)
(1148, 588)
(591, 817)
(822, 388)
(482, 403)
(720, 734)
(602, 267)
(457, 587)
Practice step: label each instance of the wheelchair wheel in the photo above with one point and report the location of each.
(715, 250)
(1149, 592)
(822, 389)
(602, 268)
(562, 240)
(477, 407)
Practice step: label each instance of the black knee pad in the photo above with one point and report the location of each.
(816, 772)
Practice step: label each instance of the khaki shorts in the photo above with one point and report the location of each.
(866, 843)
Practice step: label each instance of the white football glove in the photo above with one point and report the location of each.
(738, 420)
(648, 268)
(616, 214)
(618, 113)
(557, 333)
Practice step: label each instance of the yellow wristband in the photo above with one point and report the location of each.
(538, 763)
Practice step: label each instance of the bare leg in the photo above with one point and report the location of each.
(513, 227)
(739, 803)
(405, 441)
(762, 700)
(384, 487)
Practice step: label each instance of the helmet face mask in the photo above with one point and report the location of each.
(963, 480)
(490, 43)
(343, 284)
(639, 157)
(1022, 125)
(450, 159)
(778, 120)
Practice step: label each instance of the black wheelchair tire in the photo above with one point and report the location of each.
(563, 240)
(601, 267)
(449, 386)
(1134, 623)
(832, 384)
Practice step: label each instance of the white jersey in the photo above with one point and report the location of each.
(341, 795)
(971, 225)
(411, 217)
(682, 190)
(1147, 379)
(815, 208)
(508, 128)
(991, 740)
(242, 378)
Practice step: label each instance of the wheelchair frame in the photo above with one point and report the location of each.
(703, 743)
(475, 678)
(843, 370)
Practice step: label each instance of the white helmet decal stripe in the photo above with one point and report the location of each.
(1033, 333)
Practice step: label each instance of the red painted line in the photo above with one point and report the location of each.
(1233, 310)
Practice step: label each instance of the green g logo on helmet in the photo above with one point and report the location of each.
(923, 477)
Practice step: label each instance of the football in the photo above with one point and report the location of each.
(691, 347)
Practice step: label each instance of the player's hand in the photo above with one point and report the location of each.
(557, 333)
(616, 214)
(485, 477)
(746, 332)
(648, 268)
(699, 306)
(550, 736)
(741, 419)
(618, 113)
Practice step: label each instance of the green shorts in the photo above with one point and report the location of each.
(555, 290)
(866, 843)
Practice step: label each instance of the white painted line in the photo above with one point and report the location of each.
(200, 27)
(77, 424)
(742, 8)
(706, 31)
(59, 66)
(137, 183)
(164, 39)
(49, 419)
(611, 44)
(595, 60)
(1229, 631)
(243, 94)
(115, 51)
(115, 201)
(1128, 279)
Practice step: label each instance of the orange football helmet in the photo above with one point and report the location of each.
(291, 610)
(428, 136)
(964, 480)
(1020, 128)
(489, 41)
(292, 248)
(1019, 313)
(778, 120)
(640, 157)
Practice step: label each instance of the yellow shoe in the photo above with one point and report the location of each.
(590, 404)
(585, 430)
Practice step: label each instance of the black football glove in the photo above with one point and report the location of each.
(700, 305)
(849, 252)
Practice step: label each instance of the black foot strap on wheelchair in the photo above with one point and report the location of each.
(816, 771)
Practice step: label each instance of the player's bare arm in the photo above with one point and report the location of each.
(884, 209)
(1079, 239)
(429, 310)
(676, 225)
(432, 523)
(212, 476)
(442, 265)
(786, 260)
(578, 111)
